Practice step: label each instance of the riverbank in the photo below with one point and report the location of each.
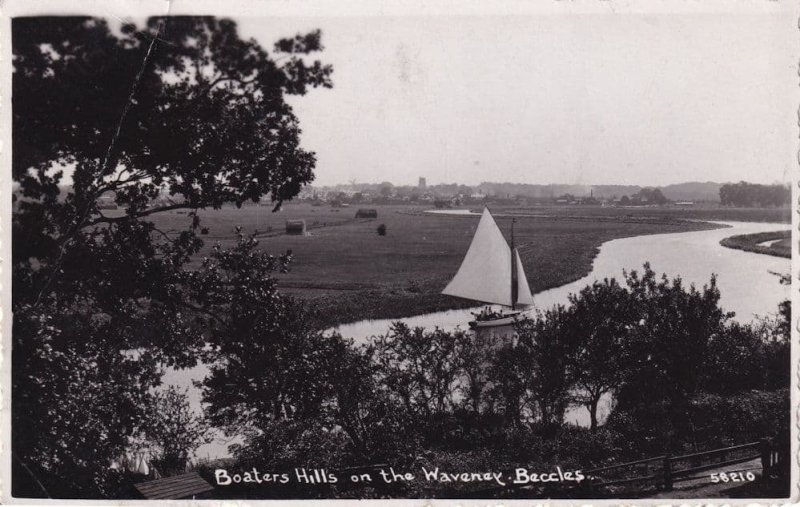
(778, 243)
(347, 272)
(555, 251)
(746, 286)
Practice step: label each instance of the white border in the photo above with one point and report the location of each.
(343, 8)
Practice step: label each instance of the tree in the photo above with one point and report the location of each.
(745, 194)
(266, 362)
(544, 345)
(377, 425)
(666, 352)
(507, 388)
(599, 319)
(112, 109)
(174, 430)
(651, 195)
(421, 369)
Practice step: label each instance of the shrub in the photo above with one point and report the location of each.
(382, 230)
(175, 430)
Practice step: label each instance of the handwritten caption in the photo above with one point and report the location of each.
(388, 476)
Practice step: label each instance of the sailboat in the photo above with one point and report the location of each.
(492, 273)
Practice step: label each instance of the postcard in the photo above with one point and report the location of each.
(457, 252)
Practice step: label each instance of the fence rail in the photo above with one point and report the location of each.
(664, 471)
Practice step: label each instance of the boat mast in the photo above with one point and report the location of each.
(514, 293)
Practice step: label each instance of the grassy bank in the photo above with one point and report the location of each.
(752, 243)
(347, 272)
(554, 252)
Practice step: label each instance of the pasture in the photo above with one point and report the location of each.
(345, 271)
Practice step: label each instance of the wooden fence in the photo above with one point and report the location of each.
(664, 472)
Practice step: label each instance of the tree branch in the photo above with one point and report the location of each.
(151, 211)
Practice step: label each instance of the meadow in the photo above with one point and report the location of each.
(346, 271)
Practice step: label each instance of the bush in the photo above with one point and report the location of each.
(741, 418)
(174, 431)
(382, 230)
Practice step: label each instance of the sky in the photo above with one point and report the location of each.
(640, 99)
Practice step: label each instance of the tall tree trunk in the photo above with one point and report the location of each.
(593, 401)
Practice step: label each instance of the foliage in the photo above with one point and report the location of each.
(101, 301)
(740, 418)
(649, 196)
(76, 400)
(734, 361)
(752, 194)
(422, 370)
(378, 426)
(415, 397)
(687, 346)
(382, 230)
(544, 348)
(507, 390)
(286, 444)
(174, 430)
(667, 349)
(600, 319)
(268, 365)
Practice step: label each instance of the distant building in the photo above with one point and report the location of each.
(296, 227)
(423, 183)
(367, 213)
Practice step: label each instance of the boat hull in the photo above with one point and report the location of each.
(505, 320)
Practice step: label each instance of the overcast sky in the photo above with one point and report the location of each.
(590, 99)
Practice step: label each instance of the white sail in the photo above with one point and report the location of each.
(485, 274)
(524, 296)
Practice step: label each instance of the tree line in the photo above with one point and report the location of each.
(675, 363)
(750, 195)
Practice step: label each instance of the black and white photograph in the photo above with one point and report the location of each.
(303, 251)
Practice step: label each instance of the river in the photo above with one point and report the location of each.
(746, 285)
(744, 280)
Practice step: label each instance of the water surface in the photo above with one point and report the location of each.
(744, 279)
(746, 285)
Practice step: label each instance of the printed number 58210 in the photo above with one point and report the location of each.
(733, 477)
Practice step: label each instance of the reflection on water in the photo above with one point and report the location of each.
(746, 285)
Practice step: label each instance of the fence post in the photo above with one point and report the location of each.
(667, 474)
(766, 452)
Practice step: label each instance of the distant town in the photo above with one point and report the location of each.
(449, 195)
(740, 194)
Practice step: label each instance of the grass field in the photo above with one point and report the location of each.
(347, 272)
